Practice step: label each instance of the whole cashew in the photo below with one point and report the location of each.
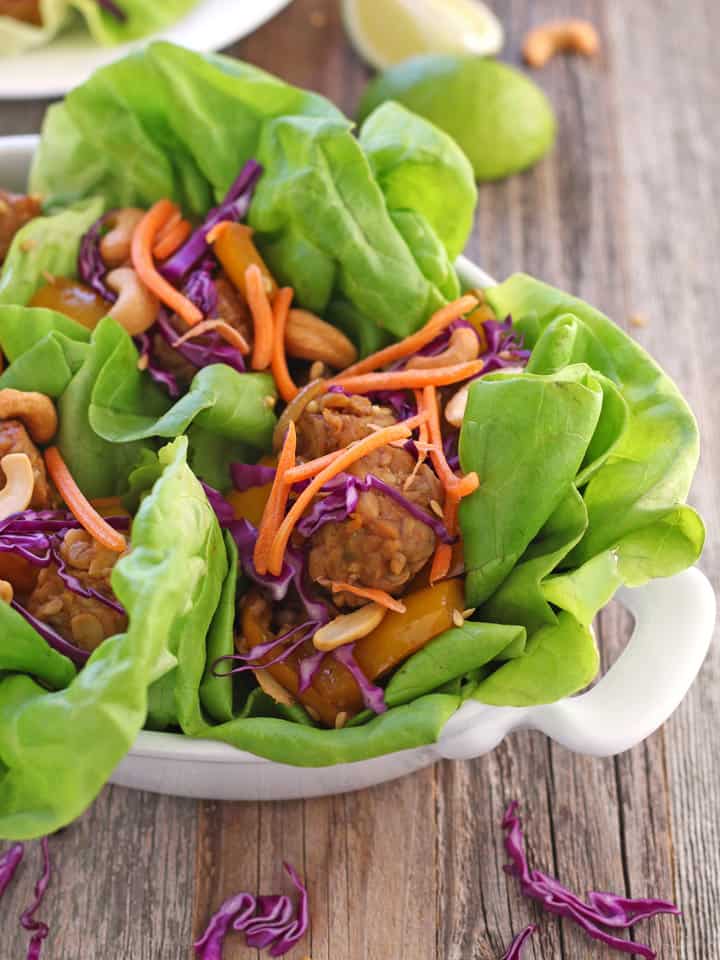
(115, 245)
(7, 594)
(136, 307)
(463, 346)
(19, 484)
(455, 407)
(35, 410)
(542, 43)
(349, 627)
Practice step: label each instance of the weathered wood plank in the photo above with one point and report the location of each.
(625, 213)
(123, 881)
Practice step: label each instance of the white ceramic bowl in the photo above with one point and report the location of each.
(674, 620)
(71, 57)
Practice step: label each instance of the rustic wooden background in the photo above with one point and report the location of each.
(625, 213)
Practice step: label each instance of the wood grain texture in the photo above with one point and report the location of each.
(625, 213)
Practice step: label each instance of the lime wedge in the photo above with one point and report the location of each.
(385, 32)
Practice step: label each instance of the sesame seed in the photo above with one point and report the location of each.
(436, 508)
(143, 362)
(469, 612)
(457, 618)
(340, 720)
(270, 402)
(49, 278)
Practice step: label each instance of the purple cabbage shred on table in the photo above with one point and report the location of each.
(268, 922)
(598, 915)
(515, 950)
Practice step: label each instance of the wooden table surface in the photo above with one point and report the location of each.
(626, 214)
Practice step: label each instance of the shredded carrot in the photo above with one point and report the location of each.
(277, 501)
(443, 551)
(142, 259)
(466, 485)
(380, 597)
(283, 380)
(80, 507)
(262, 318)
(228, 333)
(416, 341)
(348, 456)
(409, 379)
(171, 241)
(306, 471)
(430, 405)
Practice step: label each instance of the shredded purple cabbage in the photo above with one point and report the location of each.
(373, 696)
(78, 656)
(114, 9)
(293, 572)
(308, 668)
(401, 402)
(253, 659)
(341, 499)
(223, 510)
(267, 921)
(35, 536)
(91, 267)
(203, 351)
(234, 207)
(162, 377)
(514, 951)
(9, 862)
(200, 286)
(505, 346)
(600, 910)
(248, 475)
(38, 929)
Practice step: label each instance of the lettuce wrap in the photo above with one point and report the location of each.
(585, 457)
(141, 19)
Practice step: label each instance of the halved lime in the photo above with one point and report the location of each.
(385, 32)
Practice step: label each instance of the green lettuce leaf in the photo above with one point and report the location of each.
(323, 220)
(143, 18)
(639, 492)
(58, 748)
(47, 244)
(527, 436)
(560, 659)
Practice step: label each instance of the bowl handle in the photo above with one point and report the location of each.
(674, 620)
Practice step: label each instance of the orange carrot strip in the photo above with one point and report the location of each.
(277, 501)
(228, 333)
(262, 318)
(281, 306)
(348, 456)
(416, 341)
(380, 597)
(409, 379)
(443, 551)
(80, 507)
(466, 485)
(430, 405)
(306, 471)
(173, 239)
(142, 260)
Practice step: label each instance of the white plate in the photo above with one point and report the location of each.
(70, 58)
(674, 621)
